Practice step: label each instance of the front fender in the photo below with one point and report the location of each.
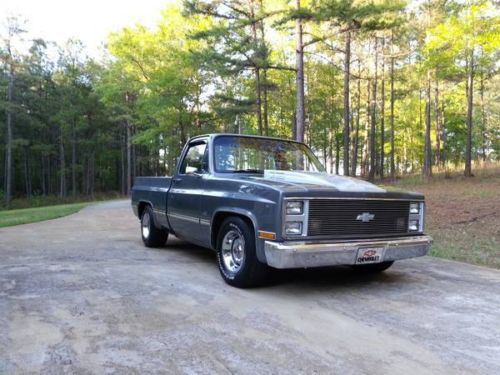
(259, 244)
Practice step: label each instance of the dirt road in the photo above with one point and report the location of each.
(82, 295)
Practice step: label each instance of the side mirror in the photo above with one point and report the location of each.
(193, 171)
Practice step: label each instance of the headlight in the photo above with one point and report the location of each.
(414, 208)
(413, 225)
(294, 208)
(293, 227)
(416, 217)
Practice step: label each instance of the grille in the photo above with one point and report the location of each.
(331, 217)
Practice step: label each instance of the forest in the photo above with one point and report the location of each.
(377, 88)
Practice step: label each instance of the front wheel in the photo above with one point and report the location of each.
(151, 235)
(236, 255)
(373, 268)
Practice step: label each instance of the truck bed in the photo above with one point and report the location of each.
(153, 190)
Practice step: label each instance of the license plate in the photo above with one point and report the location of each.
(368, 255)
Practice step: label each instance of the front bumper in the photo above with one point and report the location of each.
(296, 254)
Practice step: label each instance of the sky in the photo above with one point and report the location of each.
(89, 20)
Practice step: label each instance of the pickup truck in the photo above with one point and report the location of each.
(264, 203)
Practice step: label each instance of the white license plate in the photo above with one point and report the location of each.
(368, 255)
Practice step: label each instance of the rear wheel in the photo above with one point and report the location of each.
(373, 268)
(236, 255)
(151, 235)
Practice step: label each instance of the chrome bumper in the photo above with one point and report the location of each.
(295, 254)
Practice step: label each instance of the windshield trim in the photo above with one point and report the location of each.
(309, 152)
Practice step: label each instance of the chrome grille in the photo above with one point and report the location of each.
(353, 218)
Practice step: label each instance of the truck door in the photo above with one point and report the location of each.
(184, 197)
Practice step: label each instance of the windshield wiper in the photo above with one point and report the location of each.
(248, 171)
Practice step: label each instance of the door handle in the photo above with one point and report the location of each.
(177, 179)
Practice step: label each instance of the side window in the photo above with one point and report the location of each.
(196, 159)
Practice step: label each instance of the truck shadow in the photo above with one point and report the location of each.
(317, 277)
(196, 253)
(334, 276)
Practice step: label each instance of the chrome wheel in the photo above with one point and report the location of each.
(233, 250)
(146, 219)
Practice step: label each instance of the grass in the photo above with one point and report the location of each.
(53, 200)
(31, 215)
(463, 214)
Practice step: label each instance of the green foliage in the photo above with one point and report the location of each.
(360, 15)
(82, 126)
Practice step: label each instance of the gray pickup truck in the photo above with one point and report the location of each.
(264, 203)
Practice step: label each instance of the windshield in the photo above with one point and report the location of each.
(253, 155)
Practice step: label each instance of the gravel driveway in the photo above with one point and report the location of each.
(82, 295)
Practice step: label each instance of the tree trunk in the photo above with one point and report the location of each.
(183, 138)
(123, 165)
(337, 154)
(443, 135)
(62, 166)
(128, 129)
(73, 159)
(27, 174)
(484, 139)
(258, 83)
(405, 155)
(89, 174)
(393, 165)
(135, 165)
(330, 149)
(382, 114)
(86, 175)
(8, 150)
(364, 159)
(92, 174)
(299, 79)
(347, 67)
(43, 175)
(419, 106)
(258, 99)
(470, 102)
(438, 125)
(265, 104)
(373, 119)
(129, 158)
(354, 163)
(427, 170)
(49, 175)
(325, 147)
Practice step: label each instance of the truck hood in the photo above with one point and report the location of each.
(320, 181)
(320, 184)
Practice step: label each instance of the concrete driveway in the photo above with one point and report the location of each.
(82, 295)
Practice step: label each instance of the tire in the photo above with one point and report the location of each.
(151, 235)
(373, 268)
(236, 255)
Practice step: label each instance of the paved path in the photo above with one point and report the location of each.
(82, 295)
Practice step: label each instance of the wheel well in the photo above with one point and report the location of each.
(219, 219)
(141, 207)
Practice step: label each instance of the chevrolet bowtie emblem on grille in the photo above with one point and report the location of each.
(365, 217)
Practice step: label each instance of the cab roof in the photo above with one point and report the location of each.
(215, 135)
